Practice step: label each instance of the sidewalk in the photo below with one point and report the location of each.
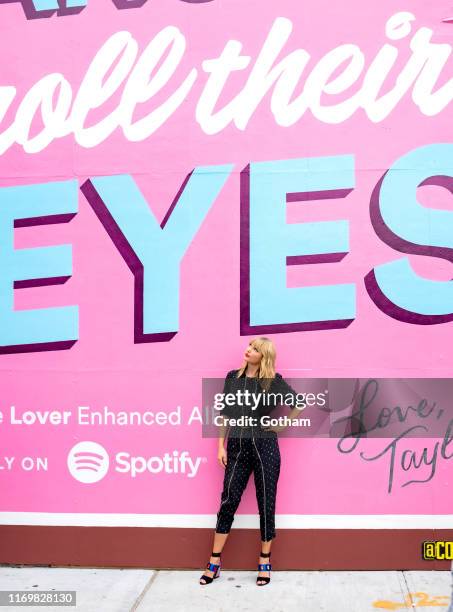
(127, 590)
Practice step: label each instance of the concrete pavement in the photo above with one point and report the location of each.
(130, 590)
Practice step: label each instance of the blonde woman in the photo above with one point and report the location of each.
(251, 448)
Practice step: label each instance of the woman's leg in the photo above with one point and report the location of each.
(266, 471)
(237, 473)
(265, 548)
(217, 547)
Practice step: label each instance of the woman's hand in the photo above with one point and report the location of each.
(222, 456)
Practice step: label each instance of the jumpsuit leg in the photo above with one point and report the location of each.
(237, 472)
(266, 471)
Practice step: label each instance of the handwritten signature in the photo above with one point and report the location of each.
(409, 459)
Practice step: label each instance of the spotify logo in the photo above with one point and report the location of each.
(88, 462)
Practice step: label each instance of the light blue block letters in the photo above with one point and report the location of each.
(160, 250)
(418, 225)
(272, 240)
(46, 325)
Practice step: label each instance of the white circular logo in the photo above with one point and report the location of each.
(88, 462)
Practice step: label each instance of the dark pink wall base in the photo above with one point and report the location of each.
(160, 548)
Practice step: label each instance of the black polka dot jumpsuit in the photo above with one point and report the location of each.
(251, 449)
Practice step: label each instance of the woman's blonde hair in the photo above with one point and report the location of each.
(266, 369)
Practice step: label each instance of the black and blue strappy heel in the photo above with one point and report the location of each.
(212, 567)
(264, 567)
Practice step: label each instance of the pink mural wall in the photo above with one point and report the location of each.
(148, 135)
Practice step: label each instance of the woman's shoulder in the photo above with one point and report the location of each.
(233, 374)
(278, 380)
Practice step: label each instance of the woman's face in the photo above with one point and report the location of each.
(252, 355)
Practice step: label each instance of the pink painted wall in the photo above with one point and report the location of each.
(105, 367)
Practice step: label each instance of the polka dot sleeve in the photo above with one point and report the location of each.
(227, 388)
(281, 386)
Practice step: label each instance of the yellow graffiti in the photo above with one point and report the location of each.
(423, 600)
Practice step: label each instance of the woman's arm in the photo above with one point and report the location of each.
(224, 413)
(223, 430)
(280, 386)
(222, 456)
